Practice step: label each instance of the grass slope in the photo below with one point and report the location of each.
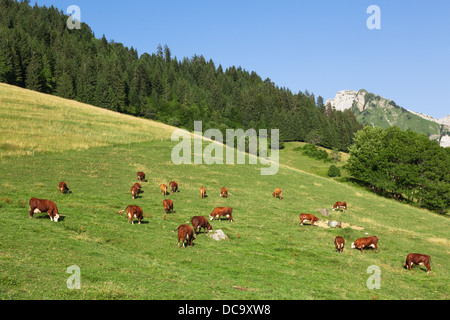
(34, 122)
(268, 254)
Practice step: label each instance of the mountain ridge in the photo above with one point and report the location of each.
(373, 109)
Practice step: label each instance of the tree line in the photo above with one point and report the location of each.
(39, 52)
(404, 164)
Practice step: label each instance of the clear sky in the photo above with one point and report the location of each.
(323, 46)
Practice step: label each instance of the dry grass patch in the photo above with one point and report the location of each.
(46, 123)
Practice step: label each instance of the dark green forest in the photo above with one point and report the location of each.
(403, 164)
(39, 52)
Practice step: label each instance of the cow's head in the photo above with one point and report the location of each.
(353, 245)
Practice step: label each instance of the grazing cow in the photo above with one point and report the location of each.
(418, 259)
(168, 205)
(185, 233)
(308, 217)
(138, 187)
(339, 243)
(134, 212)
(366, 242)
(224, 193)
(201, 222)
(203, 192)
(173, 186)
(134, 192)
(141, 176)
(278, 193)
(163, 189)
(340, 205)
(62, 186)
(222, 211)
(41, 206)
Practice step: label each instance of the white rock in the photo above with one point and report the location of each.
(218, 235)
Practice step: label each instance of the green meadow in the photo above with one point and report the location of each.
(268, 255)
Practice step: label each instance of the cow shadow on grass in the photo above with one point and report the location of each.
(415, 266)
(187, 245)
(44, 217)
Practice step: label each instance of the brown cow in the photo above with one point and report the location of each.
(339, 243)
(173, 186)
(163, 188)
(185, 233)
(41, 206)
(138, 186)
(224, 193)
(340, 205)
(134, 192)
(200, 222)
(141, 176)
(62, 186)
(168, 205)
(308, 217)
(366, 242)
(203, 192)
(418, 259)
(134, 212)
(221, 211)
(278, 193)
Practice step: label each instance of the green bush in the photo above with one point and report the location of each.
(334, 171)
(311, 151)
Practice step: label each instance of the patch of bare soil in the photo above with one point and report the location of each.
(324, 224)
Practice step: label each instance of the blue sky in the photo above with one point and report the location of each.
(323, 46)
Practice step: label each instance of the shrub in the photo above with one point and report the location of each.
(311, 151)
(334, 171)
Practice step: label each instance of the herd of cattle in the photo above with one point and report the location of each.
(186, 232)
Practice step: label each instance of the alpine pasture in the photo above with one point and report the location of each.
(45, 140)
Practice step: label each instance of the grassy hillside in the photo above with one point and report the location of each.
(268, 254)
(45, 123)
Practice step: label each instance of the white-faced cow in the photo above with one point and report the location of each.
(308, 217)
(141, 176)
(62, 187)
(339, 243)
(369, 242)
(41, 206)
(418, 259)
(199, 222)
(220, 212)
(340, 205)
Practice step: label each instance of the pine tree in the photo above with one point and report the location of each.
(33, 78)
(64, 86)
